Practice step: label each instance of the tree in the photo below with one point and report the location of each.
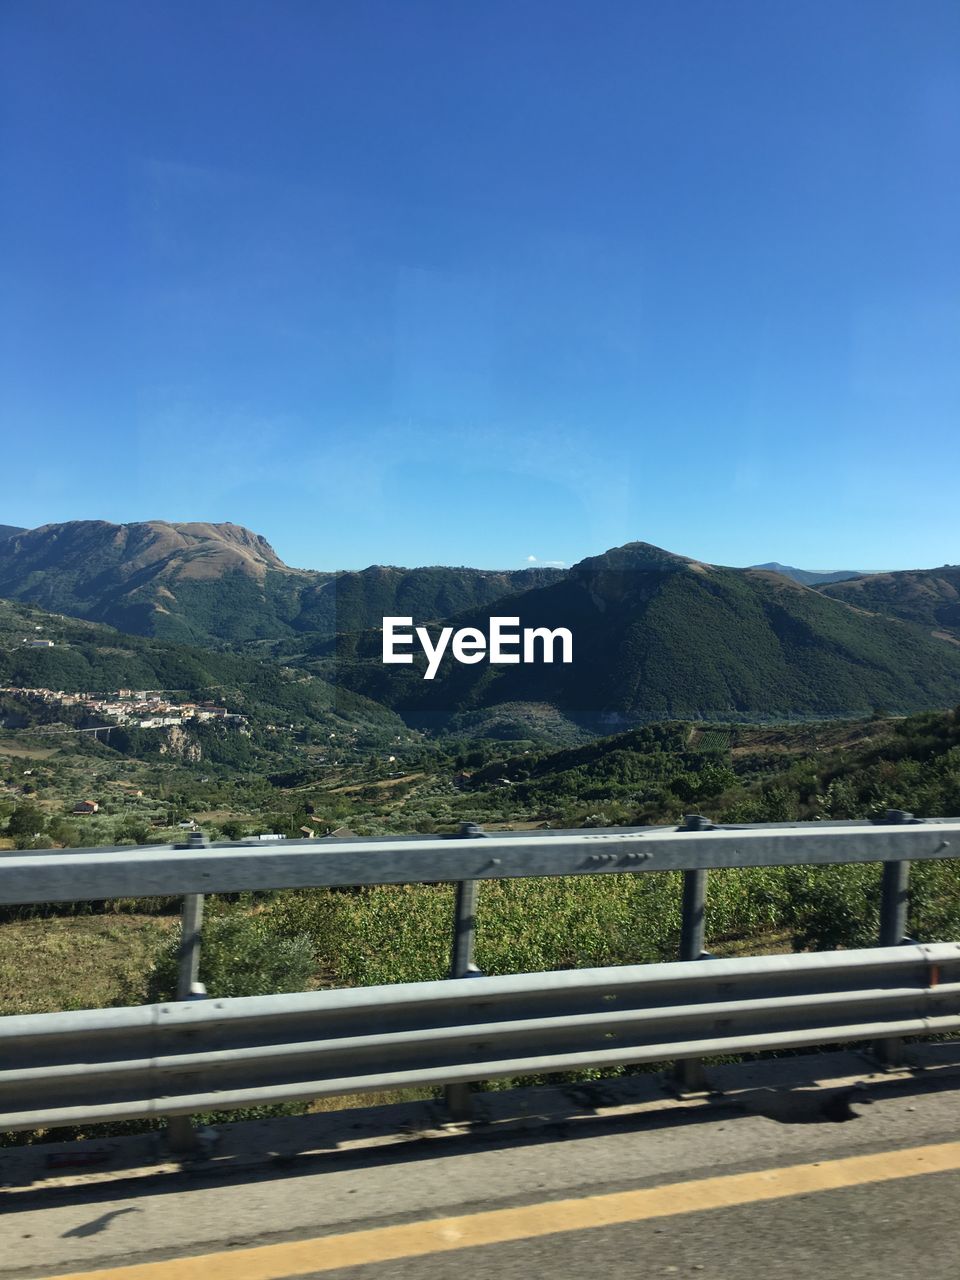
(26, 820)
(135, 830)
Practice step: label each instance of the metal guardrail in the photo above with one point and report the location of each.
(178, 1084)
(183, 1057)
(73, 875)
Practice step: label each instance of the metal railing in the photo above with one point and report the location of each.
(184, 1057)
(76, 875)
(124, 1062)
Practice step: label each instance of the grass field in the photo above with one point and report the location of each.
(78, 962)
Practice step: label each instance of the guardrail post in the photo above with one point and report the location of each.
(181, 1135)
(894, 903)
(689, 1072)
(458, 1097)
(188, 960)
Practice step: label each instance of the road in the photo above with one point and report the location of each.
(723, 1191)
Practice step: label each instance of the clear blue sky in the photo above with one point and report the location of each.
(427, 281)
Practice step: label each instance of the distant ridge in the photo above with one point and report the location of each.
(144, 578)
(201, 582)
(8, 530)
(810, 577)
(930, 597)
(658, 636)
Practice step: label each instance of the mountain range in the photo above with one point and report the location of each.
(660, 636)
(810, 577)
(220, 582)
(657, 635)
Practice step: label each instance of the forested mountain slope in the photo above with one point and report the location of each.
(930, 597)
(659, 637)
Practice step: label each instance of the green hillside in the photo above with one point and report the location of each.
(356, 601)
(841, 769)
(92, 658)
(929, 597)
(659, 637)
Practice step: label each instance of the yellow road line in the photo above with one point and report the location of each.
(498, 1226)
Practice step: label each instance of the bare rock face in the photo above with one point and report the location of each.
(177, 742)
(208, 550)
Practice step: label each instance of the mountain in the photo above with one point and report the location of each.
(659, 637)
(810, 577)
(147, 578)
(8, 530)
(929, 597)
(219, 582)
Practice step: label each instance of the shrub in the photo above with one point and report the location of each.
(242, 954)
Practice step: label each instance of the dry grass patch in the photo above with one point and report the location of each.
(77, 962)
(8, 748)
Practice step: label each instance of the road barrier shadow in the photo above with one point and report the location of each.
(801, 1089)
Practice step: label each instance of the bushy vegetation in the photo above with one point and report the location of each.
(244, 953)
(653, 774)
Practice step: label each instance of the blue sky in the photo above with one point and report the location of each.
(426, 281)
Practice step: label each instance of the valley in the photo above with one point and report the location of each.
(741, 694)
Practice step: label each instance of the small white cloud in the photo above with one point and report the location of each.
(547, 564)
(531, 559)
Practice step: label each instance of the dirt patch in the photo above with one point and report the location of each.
(28, 753)
(384, 784)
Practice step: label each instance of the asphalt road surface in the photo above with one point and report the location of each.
(718, 1193)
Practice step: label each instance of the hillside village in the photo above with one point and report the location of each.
(142, 708)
